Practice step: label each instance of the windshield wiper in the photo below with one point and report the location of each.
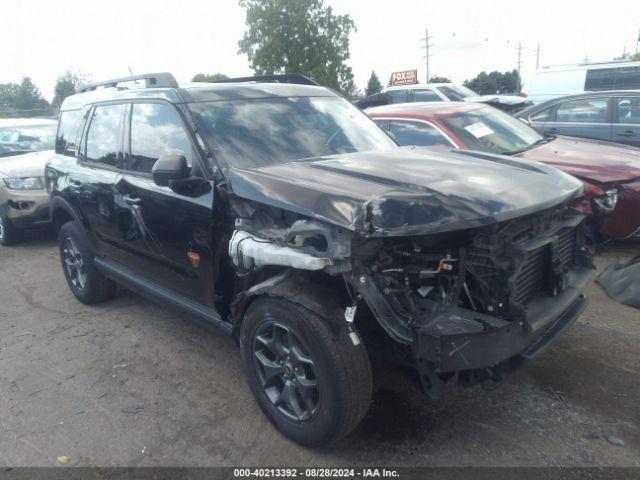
(546, 139)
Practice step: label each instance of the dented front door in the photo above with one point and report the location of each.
(169, 235)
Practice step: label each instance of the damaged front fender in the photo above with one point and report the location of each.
(297, 288)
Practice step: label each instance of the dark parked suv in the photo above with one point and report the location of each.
(283, 215)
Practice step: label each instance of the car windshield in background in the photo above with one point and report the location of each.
(457, 93)
(15, 140)
(489, 130)
(269, 131)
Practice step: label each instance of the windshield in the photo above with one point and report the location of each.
(457, 93)
(490, 130)
(269, 131)
(14, 140)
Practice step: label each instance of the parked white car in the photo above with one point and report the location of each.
(552, 82)
(442, 92)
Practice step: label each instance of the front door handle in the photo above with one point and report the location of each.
(628, 133)
(132, 200)
(551, 130)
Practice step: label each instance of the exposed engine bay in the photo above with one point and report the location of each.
(426, 290)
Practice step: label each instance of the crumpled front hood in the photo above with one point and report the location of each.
(25, 165)
(602, 162)
(407, 191)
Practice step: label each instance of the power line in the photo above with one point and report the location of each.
(427, 46)
(538, 51)
(519, 63)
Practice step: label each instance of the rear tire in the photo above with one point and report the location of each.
(85, 281)
(329, 377)
(9, 234)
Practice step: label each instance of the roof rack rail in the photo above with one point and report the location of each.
(295, 78)
(151, 80)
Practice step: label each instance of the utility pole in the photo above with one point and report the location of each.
(427, 46)
(586, 59)
(519, 64)
(538, 50)
(638, 41)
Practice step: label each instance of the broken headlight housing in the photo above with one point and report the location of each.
(607, 203)
(27, 183)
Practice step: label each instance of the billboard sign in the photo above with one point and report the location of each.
(405, 77)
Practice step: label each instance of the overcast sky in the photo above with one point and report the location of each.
(41, 38)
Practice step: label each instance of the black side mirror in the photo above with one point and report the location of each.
(169, 168)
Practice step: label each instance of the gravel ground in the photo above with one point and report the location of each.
(128, 383)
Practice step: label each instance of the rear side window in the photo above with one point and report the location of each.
(600, 79)
(589, 110)
(629, 110)
(619, 78)
(66, 139)
(425, 96)
(104, 135)
(417, 133)
(156, 130)
(398, 96)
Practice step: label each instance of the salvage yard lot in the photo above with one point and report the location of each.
(130, 383)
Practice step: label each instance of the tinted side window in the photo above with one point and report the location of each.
(619, 78)
(103, 138)
(600, 79)
(591, 110)
(156, 129)
(425, 96)
(383, 124)
(417, 133)
(627, 78)
(66, 139)
(545, 115)
(398, 96)
(629, 110)
(452, 94)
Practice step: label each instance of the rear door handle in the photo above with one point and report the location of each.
(551, 130)
(628, 133)
(132, 200)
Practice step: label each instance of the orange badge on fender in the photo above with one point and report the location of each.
(194, 258)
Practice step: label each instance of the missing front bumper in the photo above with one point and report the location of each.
(460, 342)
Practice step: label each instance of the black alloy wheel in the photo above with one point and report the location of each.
(286, 371)
(74, 264)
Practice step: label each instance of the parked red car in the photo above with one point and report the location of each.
(610, 172)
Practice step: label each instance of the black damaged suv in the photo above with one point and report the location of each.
(277, 211)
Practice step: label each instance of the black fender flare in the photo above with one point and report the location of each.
(296, 287)
(58, 203)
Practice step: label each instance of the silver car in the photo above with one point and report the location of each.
(25, 146)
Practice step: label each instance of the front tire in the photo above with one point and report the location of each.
(313, 384)
(85, 281)
(9, 234)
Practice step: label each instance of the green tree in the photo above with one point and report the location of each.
(68, 84)
(298, 36)
(482, 84)
(436, 79)
(373, 85)
(208, 77)
(28, 97)
(495, 82)
(8, 93)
